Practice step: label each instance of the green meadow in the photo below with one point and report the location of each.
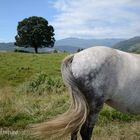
(32, 91)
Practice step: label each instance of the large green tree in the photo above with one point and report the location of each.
(34, 32)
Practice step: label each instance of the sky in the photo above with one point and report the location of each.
(74, 18)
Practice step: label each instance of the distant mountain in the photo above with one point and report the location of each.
(86, 43)
(130, 45)
(12, 47)
(7, 46)
(67, 44)
(66, 48)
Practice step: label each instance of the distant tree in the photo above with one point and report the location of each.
(55, 51)
(34, 32)
(80, 49)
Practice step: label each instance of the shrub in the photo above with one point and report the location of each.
(23, 51)
(109, 114)
(55, 51)
(42, 83)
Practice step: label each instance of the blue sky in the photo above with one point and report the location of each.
(71, 18)
(12, 11)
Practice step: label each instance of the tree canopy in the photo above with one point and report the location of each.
(34, 32)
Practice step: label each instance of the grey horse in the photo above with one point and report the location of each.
(95, 76)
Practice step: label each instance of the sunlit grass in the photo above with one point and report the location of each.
(15, 68)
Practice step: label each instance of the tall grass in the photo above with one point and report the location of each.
(41, 83)
(19, 110)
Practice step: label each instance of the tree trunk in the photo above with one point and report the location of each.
(36, 49)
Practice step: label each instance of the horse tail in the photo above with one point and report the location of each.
(73, 119)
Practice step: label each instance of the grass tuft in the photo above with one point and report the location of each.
(42, 84)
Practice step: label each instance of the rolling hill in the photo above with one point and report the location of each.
(7, 46)
(67, 44)
(86, 43)
(130, 45)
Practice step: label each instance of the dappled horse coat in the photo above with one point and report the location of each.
(95, 76)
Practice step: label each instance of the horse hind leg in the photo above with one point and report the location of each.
(95, 105)
(74, 135)
(87, 127)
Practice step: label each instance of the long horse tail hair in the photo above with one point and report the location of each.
(71, 121)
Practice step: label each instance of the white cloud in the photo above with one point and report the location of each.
(97, 18)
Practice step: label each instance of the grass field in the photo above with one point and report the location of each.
(32, 90)
(16, 68)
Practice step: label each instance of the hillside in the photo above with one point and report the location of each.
(67, 44)
(7, 46)
(66, 48)
(86, 43)
(130, 45)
